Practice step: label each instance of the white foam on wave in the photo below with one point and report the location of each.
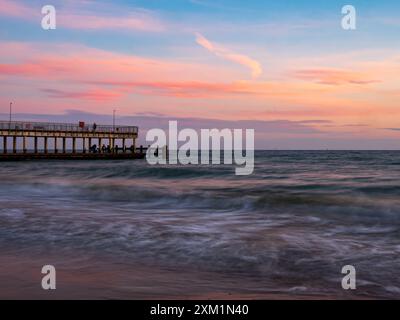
(12, 213)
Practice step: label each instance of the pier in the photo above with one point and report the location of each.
(20, 141)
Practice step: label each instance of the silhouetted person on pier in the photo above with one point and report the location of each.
(94, 126)
(116, 149)
(103, 148)
(108, 149)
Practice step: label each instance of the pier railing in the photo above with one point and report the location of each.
(65, 127)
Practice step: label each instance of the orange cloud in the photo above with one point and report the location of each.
(333, 76)
(253, 65)
(130, 74)
(90, 94)
(95, 77)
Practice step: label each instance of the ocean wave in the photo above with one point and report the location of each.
(293, 224)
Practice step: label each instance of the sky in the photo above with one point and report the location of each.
(285, 68)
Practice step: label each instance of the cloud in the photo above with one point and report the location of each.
(15, 9)
(254, 66)
(92, 78)
(135, 21)
(208, 89)
(81, 16)
(90, 94)
(183, 89)
(80, 63)
(333, 76)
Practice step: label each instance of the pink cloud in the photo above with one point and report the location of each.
(90, 94)
(183, 89)
(82, 64)
(135, 21)
(21, 70)
(124, 75)
(72, 16)
(16, 9)
(254, 66)
(333, 76)
(92, 78)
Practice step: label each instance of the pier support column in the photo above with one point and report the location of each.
(64, 145)
(45, 144)
(4, 145)
(73, 145)
(24, 144)
(36, 145)
(123, 145)
(14, 144)
(90, 143)
(84, 145)
(55, 145)
(110, 144)
(100, 145)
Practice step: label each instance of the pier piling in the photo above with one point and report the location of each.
(45, 144)
(5, 145)
(14, 144)
(36, 145)
(64, 148)
(24, 150)
(84, 145)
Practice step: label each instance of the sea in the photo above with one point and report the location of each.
(130, 230)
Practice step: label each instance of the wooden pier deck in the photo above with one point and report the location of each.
(70, 156)
(97, 142)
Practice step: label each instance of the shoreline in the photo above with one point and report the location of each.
(20, 279)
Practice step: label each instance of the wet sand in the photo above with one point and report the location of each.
(20, 278)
